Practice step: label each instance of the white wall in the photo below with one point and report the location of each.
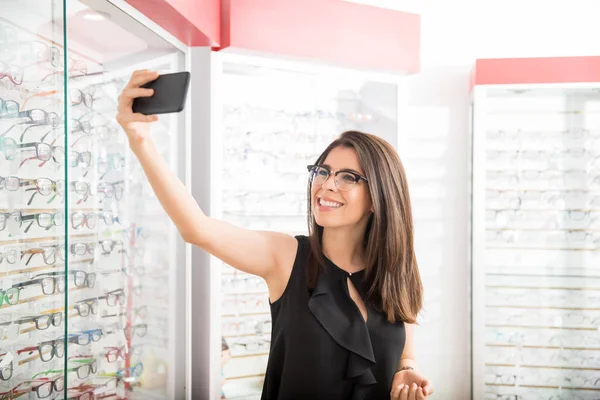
(435, 131)
(457, 32)
(435, 119)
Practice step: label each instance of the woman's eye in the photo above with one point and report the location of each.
(348, 178)
(322, 172)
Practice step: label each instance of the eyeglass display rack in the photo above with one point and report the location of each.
(87, 268)
(276, 119)
(536, 238)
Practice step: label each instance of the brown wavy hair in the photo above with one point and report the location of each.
(392, 280)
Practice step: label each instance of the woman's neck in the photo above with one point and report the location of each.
(344, 247)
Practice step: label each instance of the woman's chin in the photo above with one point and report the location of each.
(326, 222)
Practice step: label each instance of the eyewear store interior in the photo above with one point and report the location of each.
(94, 302)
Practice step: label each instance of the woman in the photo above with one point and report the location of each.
(344, 299)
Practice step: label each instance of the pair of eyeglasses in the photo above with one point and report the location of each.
(80, 278)
(75, 68)
(108, 385)
(44, 220)
(88, 130)
(36, 52)
(110, 190)
(47, 350)
(33, 117)
(76, 159)
(76, 96)
(114, 353)
(81, 249)
(76, 125)
(112, 162)
(114, 297)
(138, 329)
(87, 395)
(51, 119)
(50, 285)
(139, 232)
(79, 219)
(50, 253)
(85, 337)
(13, 72)
(42, 322)
(14, 217)
(130, 374)
(8, 107)
(44, 388)
(344, 179)
(9, 296)
(138, 312)
(6, 371)
(85, 307)
(90, 366)
(10, 256)
(42, 186)
(82, 188)
(85, 370)
(8, 146)
(108, 245)
(43, 152)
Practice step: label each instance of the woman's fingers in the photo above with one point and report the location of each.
(125, 118)
(420, 395)
(395, 395)
(404, 393)
(412, 392)
(138, 78)
(128, 94)
(137, 117)
(137, 92)
(427, 387)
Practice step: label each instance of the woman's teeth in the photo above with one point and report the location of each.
(329, 203)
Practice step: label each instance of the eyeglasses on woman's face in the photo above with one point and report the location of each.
(344, 180)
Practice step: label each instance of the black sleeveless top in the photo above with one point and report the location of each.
(321, 347)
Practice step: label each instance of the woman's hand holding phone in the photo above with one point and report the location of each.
(136, 125)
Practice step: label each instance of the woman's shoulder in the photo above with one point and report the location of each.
(292, 254)
(291, 248)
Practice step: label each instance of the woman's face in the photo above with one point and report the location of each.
(332, 207)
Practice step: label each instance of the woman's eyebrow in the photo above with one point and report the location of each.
(343, 169)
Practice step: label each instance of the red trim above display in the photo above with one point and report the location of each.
(332, 31)
(536, 70)
(194, 22)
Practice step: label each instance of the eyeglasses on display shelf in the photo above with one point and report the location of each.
(535, 241)
(82, 240)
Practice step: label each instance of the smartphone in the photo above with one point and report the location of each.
(170, 91)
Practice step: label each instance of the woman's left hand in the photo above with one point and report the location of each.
(410, 385)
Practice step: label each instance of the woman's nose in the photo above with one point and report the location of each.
(330, 182)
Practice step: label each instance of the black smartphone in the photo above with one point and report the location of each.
(170, 91)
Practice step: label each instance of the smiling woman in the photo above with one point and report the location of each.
(379, 210)
(344, 298)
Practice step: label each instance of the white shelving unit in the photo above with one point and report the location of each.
(536, 241)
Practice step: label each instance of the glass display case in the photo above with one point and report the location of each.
(88, 259)
(536, 241)
(275, 119)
